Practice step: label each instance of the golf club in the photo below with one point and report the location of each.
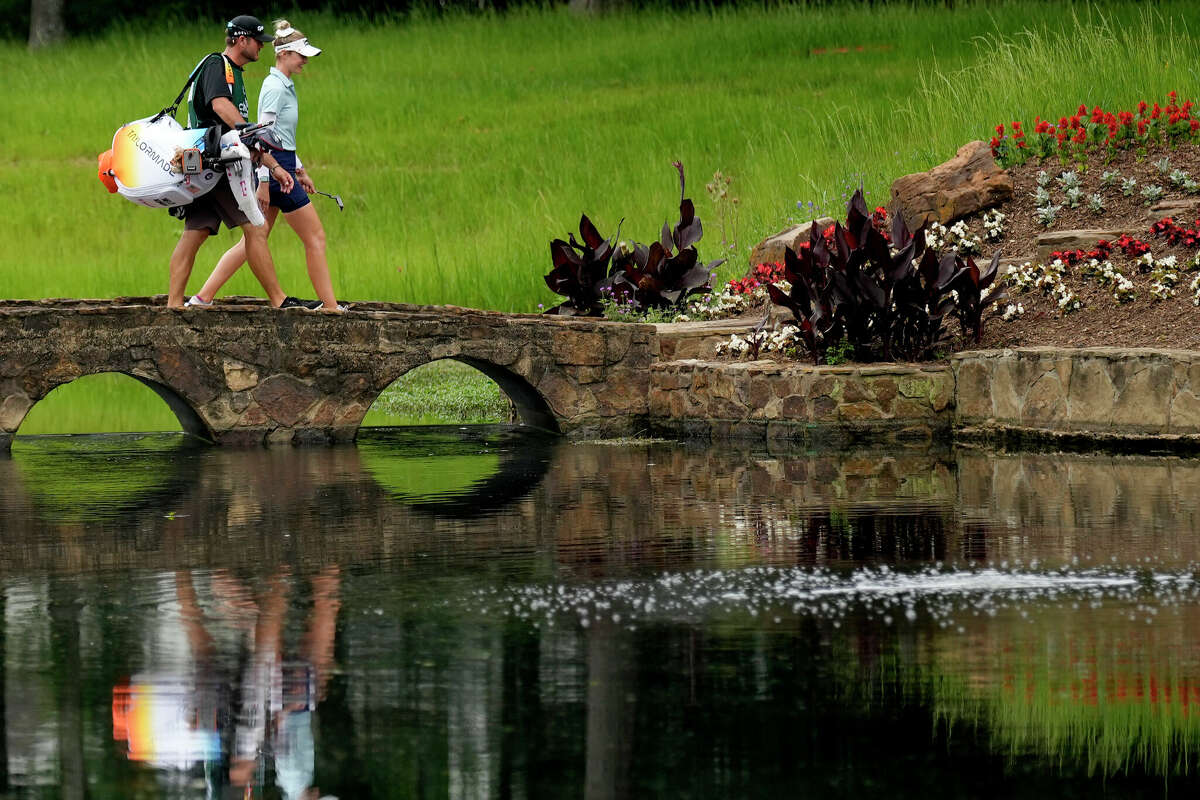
(337, 198)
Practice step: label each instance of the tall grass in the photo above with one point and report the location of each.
(1098, 56)
(462, 145)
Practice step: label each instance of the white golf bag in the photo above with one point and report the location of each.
(156, 162)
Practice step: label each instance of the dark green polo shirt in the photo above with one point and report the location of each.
(218, 77)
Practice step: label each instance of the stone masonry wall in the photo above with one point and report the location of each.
(772, 400)
(1092, 392)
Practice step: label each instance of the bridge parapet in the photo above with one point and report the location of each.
(243, 373)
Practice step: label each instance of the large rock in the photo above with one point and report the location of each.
(966, 184)
(770, 250)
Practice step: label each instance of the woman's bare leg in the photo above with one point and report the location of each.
(230, 262)
(307, 224)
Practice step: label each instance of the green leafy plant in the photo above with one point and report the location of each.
(839, 353)
(1047, 214)
(1152, 193)
(1068, 180)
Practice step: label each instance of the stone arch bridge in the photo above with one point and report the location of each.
(242, 373)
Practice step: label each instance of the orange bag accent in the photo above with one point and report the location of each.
(104, 171)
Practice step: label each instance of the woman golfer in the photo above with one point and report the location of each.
(277, 103)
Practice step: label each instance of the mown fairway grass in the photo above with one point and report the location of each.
(463, 145)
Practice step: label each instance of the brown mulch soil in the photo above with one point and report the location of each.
(1143, 322)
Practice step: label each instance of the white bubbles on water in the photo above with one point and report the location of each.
(935, 594)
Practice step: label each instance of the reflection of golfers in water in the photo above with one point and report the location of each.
(278, 103)
(275, 698)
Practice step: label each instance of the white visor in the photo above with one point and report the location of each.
(300, 46)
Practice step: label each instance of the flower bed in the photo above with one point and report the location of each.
(1134, 173)
(1097, 134)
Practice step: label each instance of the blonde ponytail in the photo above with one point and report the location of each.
(285, 33)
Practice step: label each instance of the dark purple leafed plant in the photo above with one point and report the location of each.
(970, 283)
(580, 271)
(665, 273)
(888, 300)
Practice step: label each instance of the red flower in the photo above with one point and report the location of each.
(1132, 247)
(1142, 108)
(1000, 130)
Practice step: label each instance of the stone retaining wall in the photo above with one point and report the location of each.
(1063, 396)
(772, 400)
(1106, 393)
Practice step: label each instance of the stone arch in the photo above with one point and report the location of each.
(189, 419)
(531, 407)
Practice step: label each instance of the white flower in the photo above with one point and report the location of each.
(993, 225)
(1012, 311)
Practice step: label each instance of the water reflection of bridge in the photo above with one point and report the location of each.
(214, 508)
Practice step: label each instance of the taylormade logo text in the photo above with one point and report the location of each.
(149, 150)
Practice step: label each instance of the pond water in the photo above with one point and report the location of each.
(480, 613)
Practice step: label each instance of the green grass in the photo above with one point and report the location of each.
(463, 145)
(106, 403)
(441, 392)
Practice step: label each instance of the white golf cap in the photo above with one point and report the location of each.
(300, 46)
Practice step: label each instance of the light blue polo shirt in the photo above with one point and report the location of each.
(278, 95)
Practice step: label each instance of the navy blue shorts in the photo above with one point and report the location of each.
(287, 201)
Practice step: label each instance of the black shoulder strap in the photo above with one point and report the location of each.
(171, 109)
